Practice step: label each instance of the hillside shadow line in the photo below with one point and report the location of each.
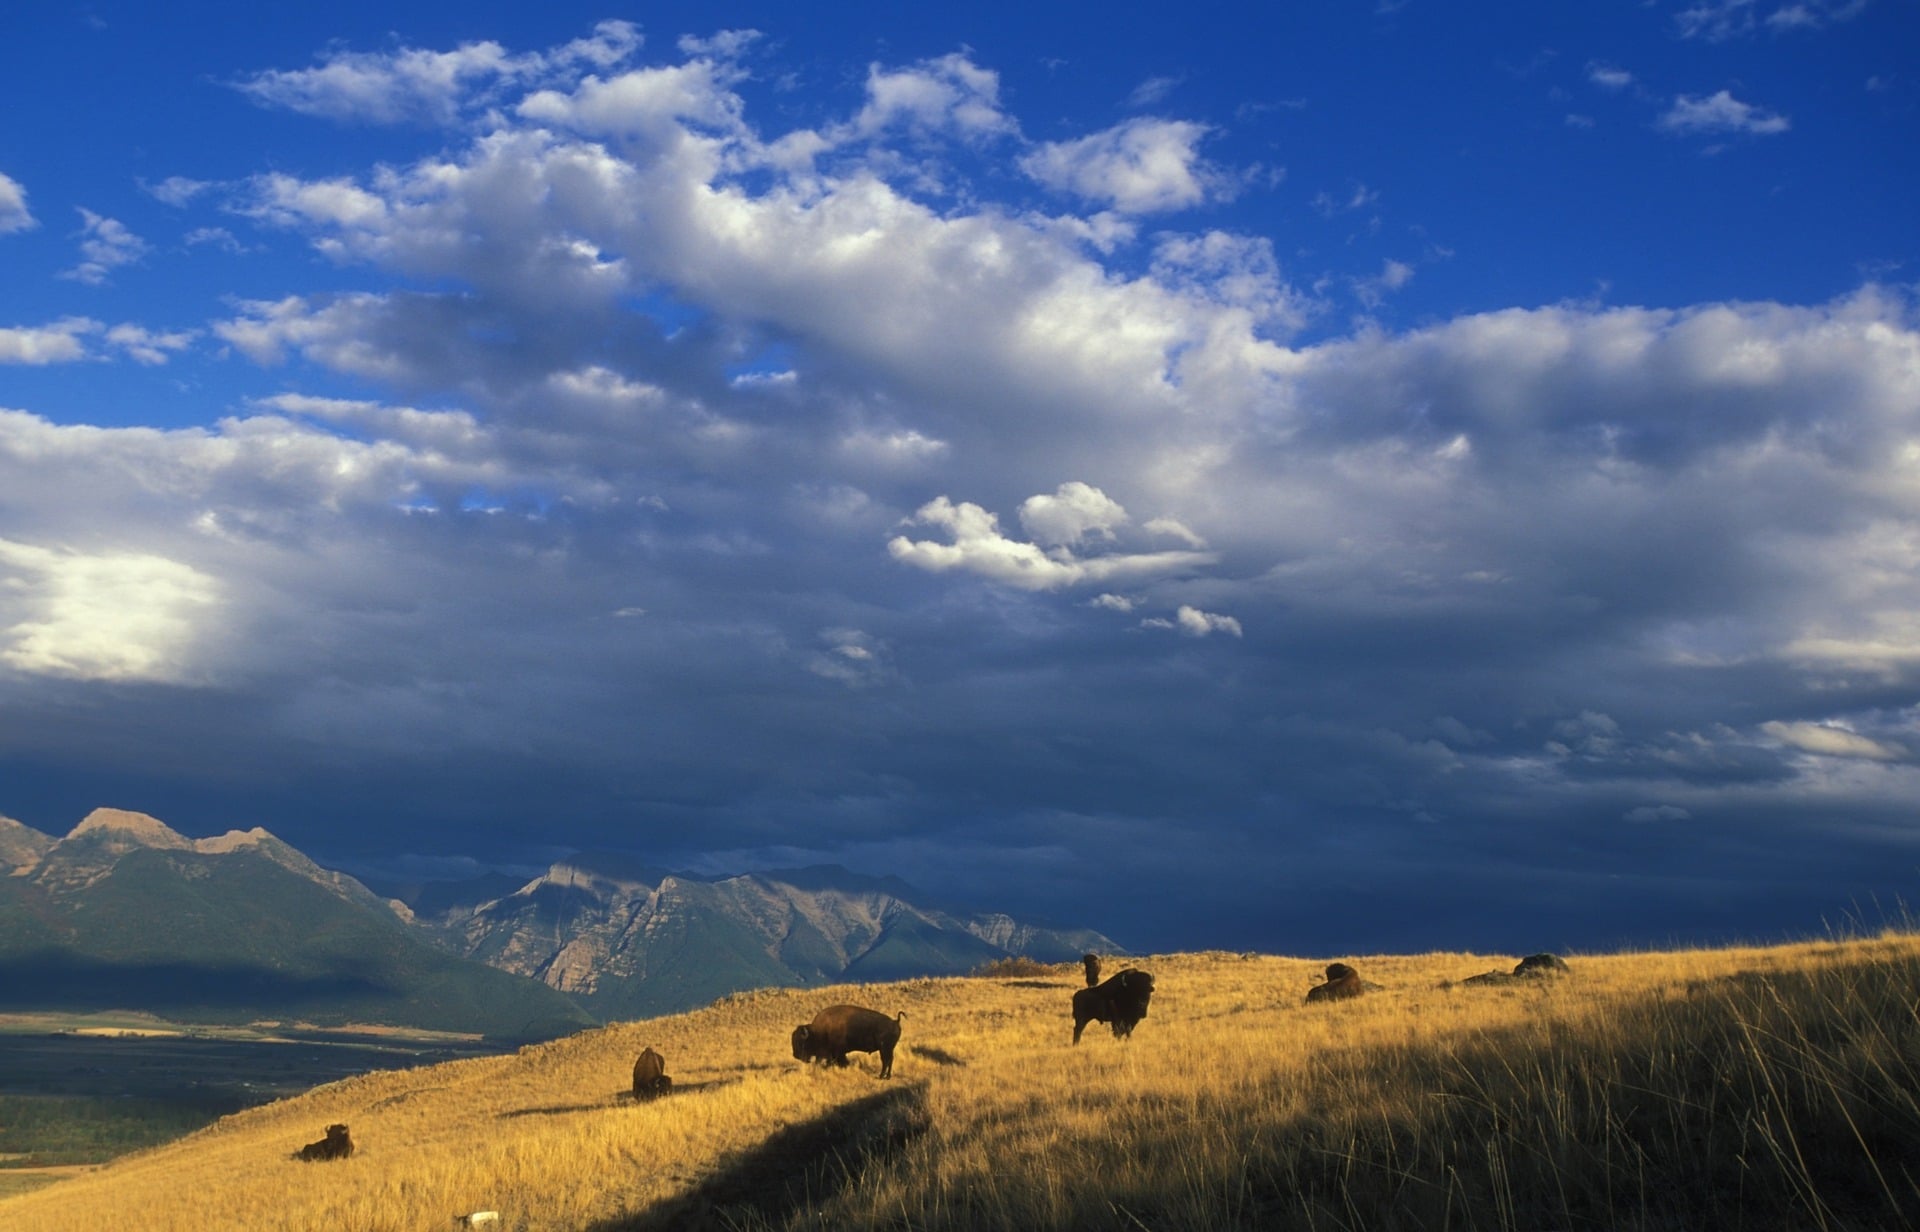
(795, 1168)
(618, 1099)
(550, 1110)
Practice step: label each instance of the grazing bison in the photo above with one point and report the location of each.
(1342, 982)
(336, 1145)
(1541, 964)
(1121, 1003)
(1092, 963)
(1532, 967)
(841, 1029)
(650, 1075)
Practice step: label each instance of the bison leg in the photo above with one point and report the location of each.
(886, 1060)
(1079, 1025)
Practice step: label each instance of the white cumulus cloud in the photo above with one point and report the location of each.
(950, 93)
(1144, 166)
(412, 85)
(1193, 622)
(978, 546)
(105, 245)
(1720, 112)
(1828, 740)
(150, 346)
(1075, 512)
(14, 215)
(57, 343)
(105, 616)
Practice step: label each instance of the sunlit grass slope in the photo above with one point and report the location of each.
(1726, 1089)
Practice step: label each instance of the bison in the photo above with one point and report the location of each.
(1092, 963)
(650, 1075)
(1121, 1003)
(841, 1029)
(1532, 967)
(1541, 964)
(1342, 982)
(336, 1145)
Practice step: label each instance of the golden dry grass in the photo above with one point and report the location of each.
(1731, 1088)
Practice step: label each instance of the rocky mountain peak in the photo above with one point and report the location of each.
(631, 940)
(235, 840)
(121, 828)
(21, 846)
(92, 849)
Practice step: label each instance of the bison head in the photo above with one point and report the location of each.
(803, 1043)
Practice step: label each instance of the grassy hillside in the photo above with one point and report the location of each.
(1727, 1089)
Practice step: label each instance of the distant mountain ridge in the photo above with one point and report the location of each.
(20, 845)
(126, 913)
(242, 924)
(628, 940)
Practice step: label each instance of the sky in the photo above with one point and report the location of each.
(1318, 478)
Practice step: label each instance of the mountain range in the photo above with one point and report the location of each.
(124, 912)
(628, 940)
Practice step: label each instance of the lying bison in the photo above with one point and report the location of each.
(650, 1075)
(336, 1145)
(1532, 967)
(1092, 963)
(1121, 1003)
(841, 1029)
(1342, 982)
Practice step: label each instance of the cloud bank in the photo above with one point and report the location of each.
(729, 487)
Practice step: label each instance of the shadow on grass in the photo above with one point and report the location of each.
(939, 1056)
(795, 1169)
(618, 1099)
(553, 1110)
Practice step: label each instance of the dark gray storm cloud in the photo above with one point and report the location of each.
(743, 497)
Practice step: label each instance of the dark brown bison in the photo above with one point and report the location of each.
(336, 1145)
(1532, 967)
(1121, 1003)
(1342, 982)
(650, 1075)
(1092, 963)
(1541, 964)
(841, 1029)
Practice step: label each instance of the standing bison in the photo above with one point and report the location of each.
(336, 1145)
(1092, 963)
(650, 1075)
(841, 1029)
(1121, 1003)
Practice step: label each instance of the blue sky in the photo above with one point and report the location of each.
(1323, 478)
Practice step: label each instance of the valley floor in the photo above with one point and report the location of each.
(79, 1090)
